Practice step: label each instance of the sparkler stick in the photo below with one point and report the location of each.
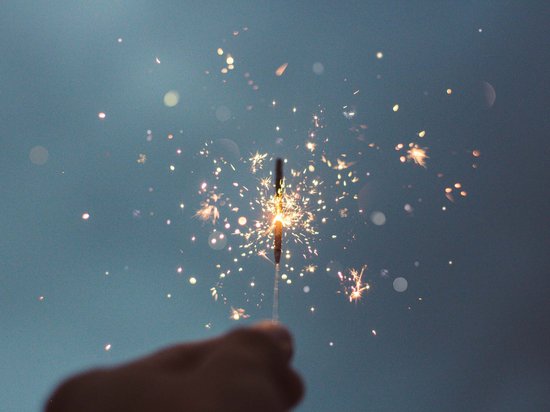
(278, 233)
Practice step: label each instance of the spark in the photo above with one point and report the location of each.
(209, 211)
(142, 158)
(354, 286)
(299, 207)
(281, 69)
(257, 161)
(310, 268)
(311, 146)
(417, 155)
(238, 313)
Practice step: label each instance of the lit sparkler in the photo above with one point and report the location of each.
(278, 233)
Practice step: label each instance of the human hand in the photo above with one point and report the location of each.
(247, 369)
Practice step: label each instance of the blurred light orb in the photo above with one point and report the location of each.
(378, 218)
(318, 68)
(379, 55)
(489, 94)
(101, 115)
(193, 280)
(227, 150)
(171, 98)
(242, 221)
(223, 113)
(85, 216)
(306, 289)
(217, 240)
(400, 284)
(39, 155)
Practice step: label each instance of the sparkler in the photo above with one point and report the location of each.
(278, 234)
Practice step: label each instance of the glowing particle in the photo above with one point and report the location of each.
(331, 344)
(294, 109)
(224, 70)
(101, 115)
(142, 158)
(281, 69)
(179, 269)
(220, 51)
(395, 107)
(107, 347)
(379, 55)
(157, 60)
(373, 332)
(119, 40)
(422, 133)
(171, 98)
(476, 153)
(242, 220)
(449, 91)
(312, 309)
(172, 168)
(193, 280)
(168, 296)
(41, 298)
(306, 289)
(230, 60)
(85, 216)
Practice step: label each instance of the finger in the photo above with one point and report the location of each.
(279, 334)
(289, 385)
(184, 356)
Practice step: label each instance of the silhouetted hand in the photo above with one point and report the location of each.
(247, 369)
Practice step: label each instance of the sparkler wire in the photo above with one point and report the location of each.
(275, 316)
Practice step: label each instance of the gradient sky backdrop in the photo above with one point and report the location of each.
(477, 341)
